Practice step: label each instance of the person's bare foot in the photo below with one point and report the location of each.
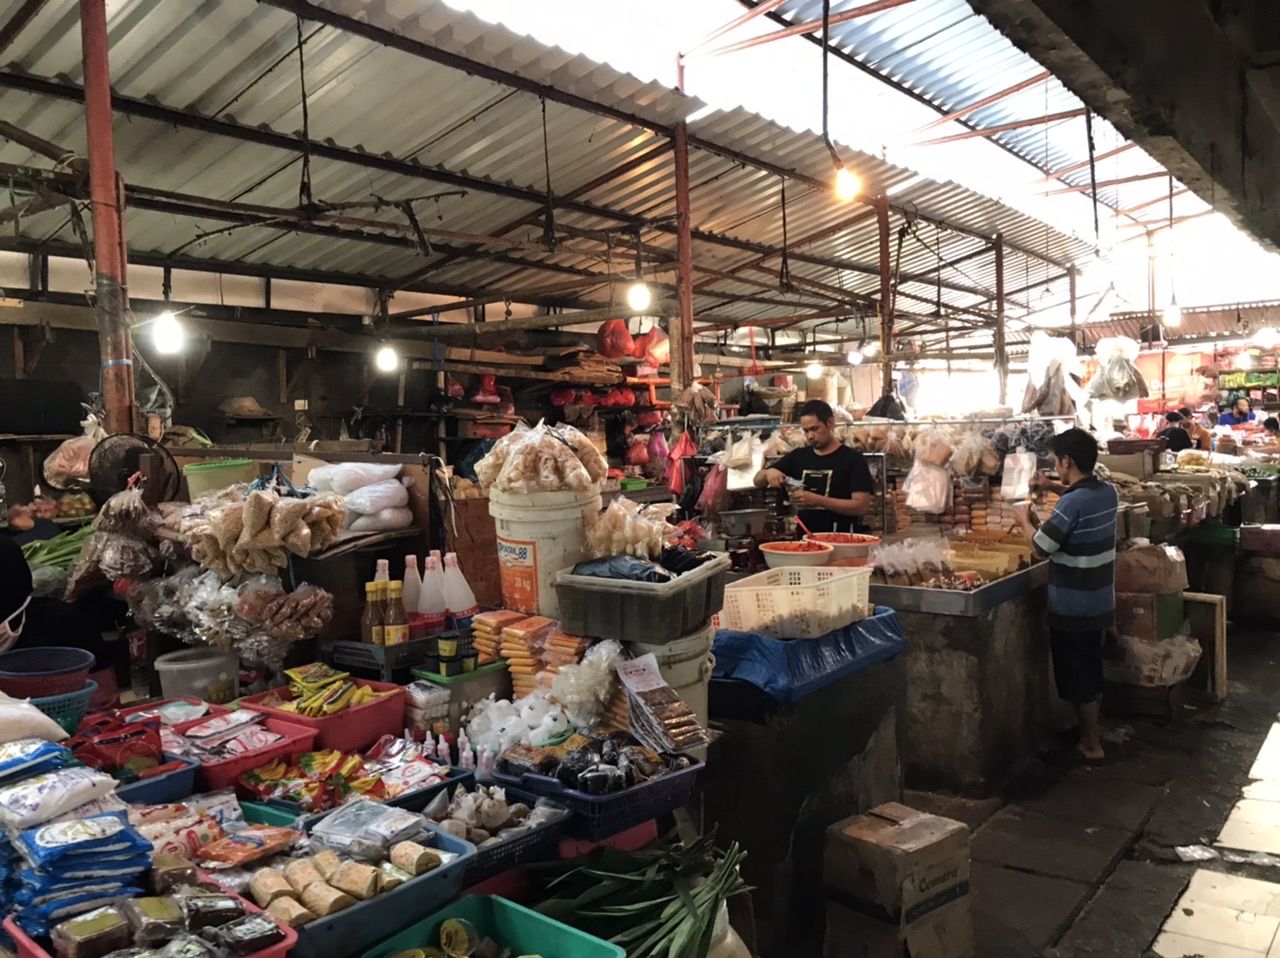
(1091, 756)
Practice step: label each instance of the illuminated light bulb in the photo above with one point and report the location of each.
(854, 357)
(814, 370)
(386, 359)
(167, 334)
(638, 296)
(1172, 315)
(847, 184)
(871, 349)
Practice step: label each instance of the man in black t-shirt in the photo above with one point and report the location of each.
(1178, 433)
(837, 485)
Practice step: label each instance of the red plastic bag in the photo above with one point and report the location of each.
(588, 399)
(649, 419)
(684, 447)
(637, 453)
(657, 350)
(657, 450)
(715, 492)
(563, 396)
(614, 340)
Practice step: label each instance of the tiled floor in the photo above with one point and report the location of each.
(1226, 916)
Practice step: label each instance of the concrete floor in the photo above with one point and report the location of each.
(1081, 862)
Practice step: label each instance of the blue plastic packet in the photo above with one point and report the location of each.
(55, 911)
(31, 894)
(30, 756)
(102, 836)
(76, 869)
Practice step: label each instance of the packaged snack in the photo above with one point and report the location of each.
(357, 880)
(414, 858)
(390, 876)
(20, 719)
(267, 885)
(326, 863)
(210, 910)
(182, 836)
(154, 920)
(300, 873)
(188, 946)
(289, 912)
(168, 871)
(78, 868)
(90, 809)
(249, 844)
(86, 841)
(323, 899)
(42, 797)
(26, 757)
(92, 935)
(247, 935)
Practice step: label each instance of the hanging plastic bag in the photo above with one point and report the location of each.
(614, 340)
(1019, 470)
(637, 453)
(657, 466)
(676, 456)
(657, 349)
(928, 488)
(715, 491)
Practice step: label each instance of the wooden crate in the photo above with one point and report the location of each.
(1207, 617)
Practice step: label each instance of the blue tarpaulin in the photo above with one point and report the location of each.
(791, 670)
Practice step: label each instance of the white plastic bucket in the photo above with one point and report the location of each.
(208, 673)
(686, 664)
(539, 533)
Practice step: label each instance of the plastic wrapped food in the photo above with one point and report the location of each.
(545, 458)
(388, 494)
(26, 757)
(1117, 377)
(247, 935)
(154, 920)
(209, 911)
(247, 845)
(384, 520)
(627, 529)
(42, 797)
(91, 935)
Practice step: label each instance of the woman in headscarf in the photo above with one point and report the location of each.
(28, 621)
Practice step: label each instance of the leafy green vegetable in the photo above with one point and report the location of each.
(60, 552)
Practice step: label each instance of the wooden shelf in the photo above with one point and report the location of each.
(51, 437)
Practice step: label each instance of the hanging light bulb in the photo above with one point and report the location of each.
(854, 357)
(167, 334)
(638, 296)
(814, 370)
(386, 359)
(1172, 317)
(847, 184)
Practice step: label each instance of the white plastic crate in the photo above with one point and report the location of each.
(801, 602)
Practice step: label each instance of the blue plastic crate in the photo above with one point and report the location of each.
(170, 787)
(537, 845)
(597, 817)
(360, 927)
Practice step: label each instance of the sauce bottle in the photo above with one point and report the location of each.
(395, 624)
(371, 621)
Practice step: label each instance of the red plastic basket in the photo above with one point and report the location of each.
(224, 773)
(351, 730)
(40, 673)
(28, 947)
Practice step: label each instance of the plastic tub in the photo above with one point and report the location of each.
(600, 816)
(780, 558)
(539, 534)
(517, 928)
(223, 773)
(69, 708)
(208, 674)
(206, 477)
(352, 729)
(171, 786)
(651, 612)
(686, 664)
(852, 549)
(797, 603)
(363, 925)
(44, 672)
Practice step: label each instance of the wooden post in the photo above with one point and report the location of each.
(886, 297)
(682, 324)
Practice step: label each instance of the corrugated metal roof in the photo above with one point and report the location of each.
(1233, 320)
(237, 59)
(951, 57)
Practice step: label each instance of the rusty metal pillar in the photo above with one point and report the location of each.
(682, 325)
(886, 297)
(1002, 357)
(115, 345)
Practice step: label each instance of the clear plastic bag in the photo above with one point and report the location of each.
(347, 477)
(383, 520)
(928, 488)
(377, 496)
(1019, 470)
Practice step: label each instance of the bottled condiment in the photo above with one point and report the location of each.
(431, 600)
(384, 571)
(395, 624)
(459, 600)
(371, 625)
(412, 584)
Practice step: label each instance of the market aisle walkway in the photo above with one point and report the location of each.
(1081, 863)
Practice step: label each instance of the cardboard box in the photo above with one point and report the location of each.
(1140, 465)
(1159, 664)
(945, 932)
(1158, 570)
(1150, 617)
(897, 883)
(1264, 539)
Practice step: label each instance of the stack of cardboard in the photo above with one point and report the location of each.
(1153, 651)
(897, 886)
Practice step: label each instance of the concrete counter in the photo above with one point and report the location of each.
(978, 680)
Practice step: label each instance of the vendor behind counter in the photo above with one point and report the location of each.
(835, 483)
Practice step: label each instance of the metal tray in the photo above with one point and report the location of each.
(911, 598)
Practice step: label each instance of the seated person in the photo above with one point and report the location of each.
(1177, 433)
(1201, 438)
(28, 621)
(1239, 413)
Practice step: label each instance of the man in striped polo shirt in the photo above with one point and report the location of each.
(1079, 540)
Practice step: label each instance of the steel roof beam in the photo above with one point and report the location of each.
(1102, 184)
(800, 29)
(1084, 164)
(987, 101)
(986, 131)
(18, 22)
